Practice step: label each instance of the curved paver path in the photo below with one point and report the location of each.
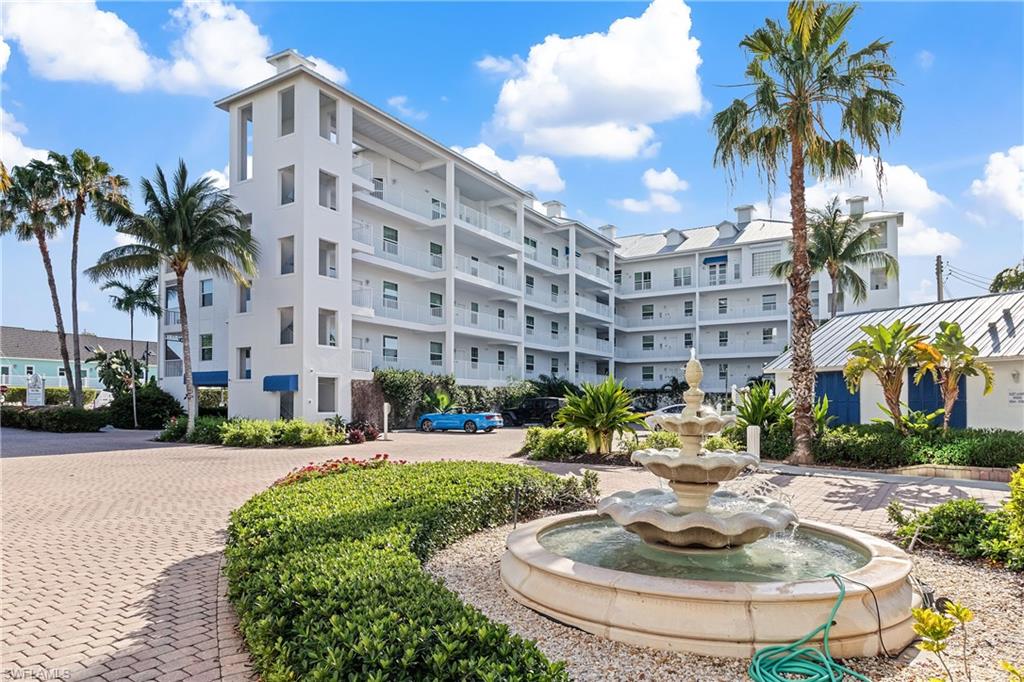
(111, 559)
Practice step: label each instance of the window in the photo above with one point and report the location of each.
(641, 281)
(768, 335)
(389, 292)
(723, 306)
(687, 308)
(286, 179)
(815, 294)
(723, 338)
(389, 348)
(768, 303)
(205, 293)
(286, 405)
(501, 319)
(436, 255)
(390, 240)
(328, 185)
(326, 394)
(244, 298)
(736, 270)
(647, 311)
(286, 319)
(173, 352)
(554, 329)
(687, 339)
(436, 305)
(530, 324)
(716, 274)
(880, 239)
(501, 358)
(436, 353)
(286, 107)
(530, 243)
(682, 277)
(474, 356)
(554, 293)
(328, 259)
(474, 313)
(5, 375)
(554, 256)
(474, 266)
(30, 370)
(762, 262)
(618, 276)
(286, 247)
(529, 285)
(327, 328)
(501, 275)
(206, 347)
(245, 363)
(554, 367)
(529, 362)
(723, 371)
(328, 118)
(879, 279)
(647, 342)
(244, 160)
(647, 373)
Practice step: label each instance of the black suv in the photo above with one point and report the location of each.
(534, 411)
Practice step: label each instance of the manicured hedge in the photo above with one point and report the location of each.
(53, 396)
(154, 405)
(58, 419)
(263, 433)
(326, 573)
(554, 444)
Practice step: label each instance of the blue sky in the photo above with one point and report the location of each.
(135, 82)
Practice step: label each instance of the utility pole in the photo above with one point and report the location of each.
(938, 277)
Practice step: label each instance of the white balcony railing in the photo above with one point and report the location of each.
(544, 338)
(550, 259)
(173, 368)
(362, 297)
(758, 347)
(659, 351)
(485, 371)
(652, 286)
(421, 204)
(546, 297)
(486, 322)
(741, 312)
(593, 343)
(396, 253)
(397, 362)
(663, 321)
(485, 222)
(362, 168)
(486, 271)
(593, 306)
(595, 270)
(406, 312)
(172, 317)
(362, 360)
(362, 232)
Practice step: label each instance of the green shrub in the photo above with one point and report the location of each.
(961, 526)
(777, 441)
(53, 396)
(872, 446)
(721, 442)
(248, 433)
(174, 430)
(56, 419)
(656, 440)
(554, 444)
(760, 406)
(207, 430)
(326, 573)
(155, 408)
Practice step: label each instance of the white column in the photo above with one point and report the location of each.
(521, 274)
(696, 302)
(611, 306)
(449, 266)
(571, 369)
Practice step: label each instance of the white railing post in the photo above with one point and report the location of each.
(754, 440)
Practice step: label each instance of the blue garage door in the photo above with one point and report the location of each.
(842, 404)
(925, 396)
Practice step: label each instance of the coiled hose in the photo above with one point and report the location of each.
(795, 661)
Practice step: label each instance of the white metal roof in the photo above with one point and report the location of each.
(994, 323)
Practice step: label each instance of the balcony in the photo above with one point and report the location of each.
(481, 221)
(593, 343)
(652, 287)
(362, 297)
(741, 348)
(172, 318)
(663, 321)
(486, 322)
(667, 351)
(485, 371)
(362, 360)
(535, 337)
(396, 362)
(390, 309)
(742, 313)
(546, 297)
(362, 232)
(420, 204)
(174, 368)
(594, 270)
(594, 307)
(362, 172)
(550, 260)
(486, 271)
(394, 252)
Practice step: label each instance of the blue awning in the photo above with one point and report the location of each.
(716, 259)
(281, 382)
(215, 378)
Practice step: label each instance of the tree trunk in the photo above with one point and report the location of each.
(76, 392)
(801, 362)
(950, 392)
(131, 364)
(186, 352)
(62, 339)
(834, 304)
(892, 387)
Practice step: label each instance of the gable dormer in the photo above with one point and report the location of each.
(727, 230)
(674, 237)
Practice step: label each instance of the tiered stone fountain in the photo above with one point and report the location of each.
(700, 568)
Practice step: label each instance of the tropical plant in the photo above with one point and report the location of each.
(887, 352)
(822, 419)
(675, 388)
(555, 386)
(185, 225)
(29, 210)
(437, 401)
(947, 358)
(839, 244)
(602, 412)
(1008, 279)
(799, 77)
(142, 298)
(760, 406)
(914, 421)
(935, 629)
(84, 181)
(117, 370)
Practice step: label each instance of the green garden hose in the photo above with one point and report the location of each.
(798, 662)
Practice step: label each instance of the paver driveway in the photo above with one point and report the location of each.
(111, 559)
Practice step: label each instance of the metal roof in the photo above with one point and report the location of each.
(41, 344)
(994, 323)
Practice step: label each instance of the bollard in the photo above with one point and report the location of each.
(754, 440)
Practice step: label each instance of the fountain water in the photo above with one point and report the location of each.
(709, 570)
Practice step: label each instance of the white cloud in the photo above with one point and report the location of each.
(16, 152)
(1003, 183)
(925, 59)
(400, 103)
(332, 72)
(502, 66)
(924, 292)
(220, 178)
(122, 239)
(5, 54)
(664, 181)
(660, 185)
(527, 171)
(918, 238)
(598, 94)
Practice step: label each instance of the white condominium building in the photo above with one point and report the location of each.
(384, 248)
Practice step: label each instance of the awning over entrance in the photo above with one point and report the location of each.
(217, 378)
(710, 260)
(281, 382)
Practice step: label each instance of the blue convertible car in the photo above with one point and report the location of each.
(458, 418)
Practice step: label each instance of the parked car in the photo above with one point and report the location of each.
(670, 409)
(459, 418)
(534, 411)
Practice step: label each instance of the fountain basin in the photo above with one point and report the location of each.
(711, 467)
(732, 616)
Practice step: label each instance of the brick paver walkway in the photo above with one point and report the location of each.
(111, 560)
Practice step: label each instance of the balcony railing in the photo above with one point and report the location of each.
(485, 371)
(362, 297)
(741, 312)
(538, 337)
(546, 297)
(673, 350)
(485, 222)
(712, 348)
(595, 270)
(663, 321)
(395, 252)
(362, 168)
(362, 232)
(550, 259)
(422, 205)
(362, 360)
(592, 306)
(593, 343)
(486, 271)
(172, 317)
(652, 285)
(397, 362)
(407, 312)
(486, 322)
(173, 368)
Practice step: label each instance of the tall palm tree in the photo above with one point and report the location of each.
(837, 245)
(185, 225)
(30, 210)
(84, 181)
(802, 77)
(142, 298)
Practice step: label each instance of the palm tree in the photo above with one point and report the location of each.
(185, 225)
(29, 209)
(84, 180)
(801, 77)
(601, 411)
(887, 352)
(838, 245)
(142, 298)
(947, 358)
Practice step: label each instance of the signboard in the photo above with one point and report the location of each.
(35, 391)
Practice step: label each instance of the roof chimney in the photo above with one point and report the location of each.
(744, 214)
(608, 231)
(855, 205)
(287, 59)
(554, 209)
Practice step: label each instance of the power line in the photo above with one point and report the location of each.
(967, 281)
(969, 275)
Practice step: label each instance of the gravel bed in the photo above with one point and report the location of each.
(470, 569)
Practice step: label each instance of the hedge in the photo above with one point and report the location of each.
(155, 408)
(53, 396)
(326, 574)
(57, 419)
(263, 433)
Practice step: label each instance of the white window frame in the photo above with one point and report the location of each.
(647, 373)
(645, 341)
(205, 347)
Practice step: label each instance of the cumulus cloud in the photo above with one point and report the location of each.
(5, 54)
(16, 152)
(598, 94)
(219, 177)
(400, 103)
(1003, 183)
(925, 59)
(332, 72)
(500, 66)
(664, 181)
(527, 171)
(660, 185)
